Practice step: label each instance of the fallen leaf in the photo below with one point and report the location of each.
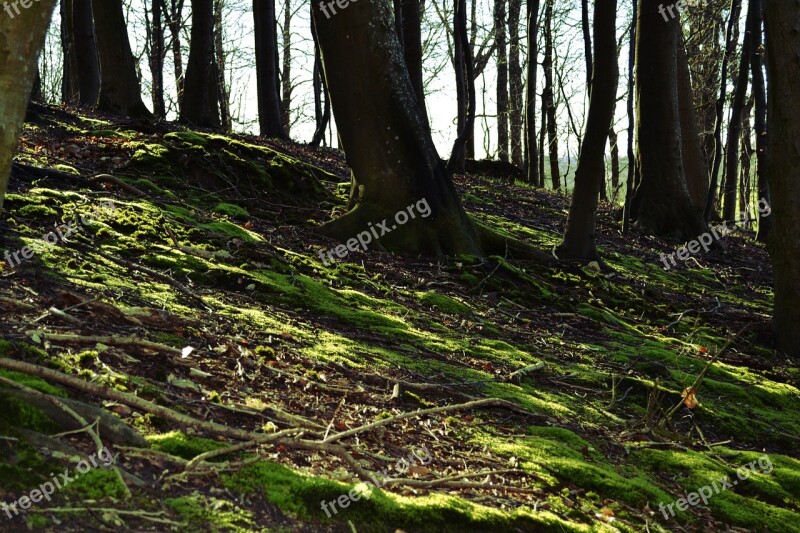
(689, 399)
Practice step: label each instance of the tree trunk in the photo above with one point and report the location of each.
(174, 24)
(286, 75)
(515, 83)
(21, 39)
(587, 44)
(87, 63)
(661, 203)
(633, 164)
(694, 162)
(730, 45)
(120, 92)
(502, 78)
(735, 126)
(614, 149)
(157, 55)
(532, 148)
(220, 67)
(760, 120)
(200, 104)
(322, 113)
(412, 50)
(69, 80)
(548, 96)
(391, 154)
(269, 101)
(465, 88)
(782, 20)
(580, 239)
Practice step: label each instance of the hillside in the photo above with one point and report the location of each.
(195, 312)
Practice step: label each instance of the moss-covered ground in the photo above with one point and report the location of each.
(218, 251)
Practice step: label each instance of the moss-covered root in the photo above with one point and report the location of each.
(494, 243)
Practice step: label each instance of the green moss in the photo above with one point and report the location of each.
(444, 303)
(95, 484)
(233, 211)
(204, 513)
(182, 445)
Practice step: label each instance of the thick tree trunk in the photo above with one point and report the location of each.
(120, 92)
(760, 121)
(532, 148)
(502, 78)
(694, 162)
(200, 104)
(388, 147)
(580, 239)
(782, 21)
(515, 83)
(412, 50)
(87, 63)
(269, 100)
(21, 39)
(548, 96)
(661, 203)
(735, 125)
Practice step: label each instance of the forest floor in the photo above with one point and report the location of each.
(197, 315)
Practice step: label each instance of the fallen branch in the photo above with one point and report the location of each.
(108, 178)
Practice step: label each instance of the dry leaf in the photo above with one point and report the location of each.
(689, 399)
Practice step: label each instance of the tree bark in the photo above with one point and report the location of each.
(223, 91)
(69, 80)
(87, 63)
(200, 104)
(21, 39)
(760, 120)
(322, 112)
(120, 91)
(502, 78)
(580, 239)
(548, 96)
(465, 88)
(515, 83)
(412, 50)
(661, 203)
(782, 21)
(157, 55)
(730, 45)
(269, 100)
(694, 162)
(286, 75)
(174, 24)
(531, 142)
(735, 125)
(391, 154)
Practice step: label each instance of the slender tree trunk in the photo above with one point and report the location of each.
(542, 132)
(120, 91)
(392, 156)
(614, 149)
(661, 203)
(730, 45)
(157, 55)
(269, 101)
(633, 164)
(466, 86)
(175, 23)
(760, 121)
(70, 90)
(587, 44)
(219, 69)
(782, 21)
(502, 78)
(200, 105)
(322, 112)
(548, 96)
(286, 75)
(735, 125)
(532, 149)
(515, 83)
(580, 239)
(87, 63)
(21, 39)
